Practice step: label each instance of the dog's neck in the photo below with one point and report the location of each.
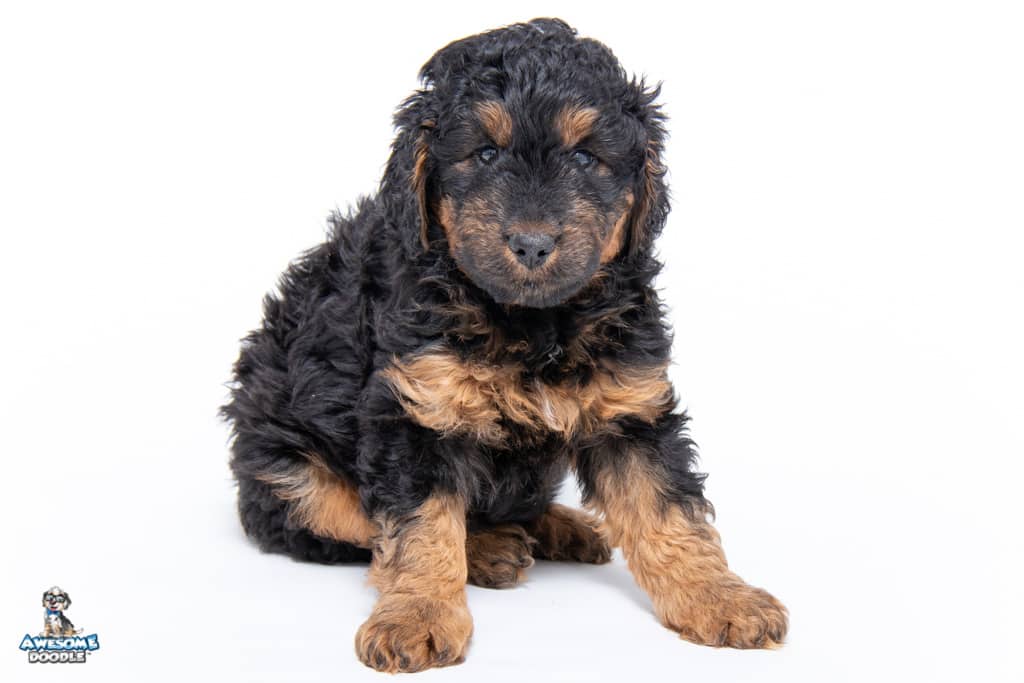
(617, 316)
(551, 342)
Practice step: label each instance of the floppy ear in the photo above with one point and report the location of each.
(67, 601)
(44, 599)
(651, 206)
(420, 174)
(404, 187)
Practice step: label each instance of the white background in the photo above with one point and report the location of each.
(844, 273)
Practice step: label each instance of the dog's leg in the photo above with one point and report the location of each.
(419, 566)
(567, 534)
(655, 512)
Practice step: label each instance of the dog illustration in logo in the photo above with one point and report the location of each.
(56, 625)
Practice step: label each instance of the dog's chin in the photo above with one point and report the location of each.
(528, 294)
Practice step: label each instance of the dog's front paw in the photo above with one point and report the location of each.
(498, 557)
(728, 613)
(406, 634)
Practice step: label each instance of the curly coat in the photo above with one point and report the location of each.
(396, 404)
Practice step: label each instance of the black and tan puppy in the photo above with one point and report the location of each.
(484, 324)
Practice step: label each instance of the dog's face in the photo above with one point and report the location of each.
(533, 197)
(56, 600)
(539, 167)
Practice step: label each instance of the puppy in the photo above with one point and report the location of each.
(55, 623)
(486, 323)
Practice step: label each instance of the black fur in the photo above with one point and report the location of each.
(306, 380)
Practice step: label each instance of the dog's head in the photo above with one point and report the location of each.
(56, 600)
(532, 158)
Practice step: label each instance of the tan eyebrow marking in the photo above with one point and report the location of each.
(574, 123)
(496, 121)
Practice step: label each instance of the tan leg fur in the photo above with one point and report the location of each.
(677, 558)
(419, 566)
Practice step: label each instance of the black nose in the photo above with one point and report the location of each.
(531, 248)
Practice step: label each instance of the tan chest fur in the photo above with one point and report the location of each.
(442, 392)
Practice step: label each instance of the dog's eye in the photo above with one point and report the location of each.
(487, 154)
(583, 158)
